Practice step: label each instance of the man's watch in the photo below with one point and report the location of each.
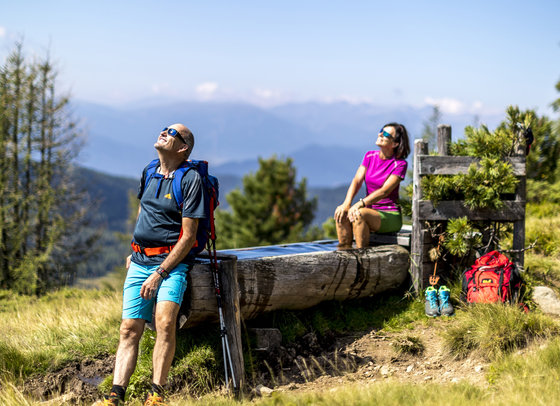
(162, 272)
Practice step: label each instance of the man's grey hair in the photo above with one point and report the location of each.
(189, 138)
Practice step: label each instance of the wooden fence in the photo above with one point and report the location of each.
(424, 210)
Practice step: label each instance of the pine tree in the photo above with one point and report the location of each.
(429, 133)
(556, 103)
(271, 209)
(42, 210)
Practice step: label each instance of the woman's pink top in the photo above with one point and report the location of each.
(377, 172)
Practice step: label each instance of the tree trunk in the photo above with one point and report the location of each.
(298, 281)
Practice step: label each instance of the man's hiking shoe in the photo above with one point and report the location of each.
(445, 308)
(431, 306)
(153, 399)
(109, 400)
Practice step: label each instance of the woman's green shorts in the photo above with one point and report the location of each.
(391, 221)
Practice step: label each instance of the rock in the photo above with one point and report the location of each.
(478, 368)
(267, 339)
(262, 390)
(547, 300)
(428, 378)
(385, 371)
(409, 368)
(455, 380)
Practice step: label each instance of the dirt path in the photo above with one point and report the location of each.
(374, 357)
(309, 365)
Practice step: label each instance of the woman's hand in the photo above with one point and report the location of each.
(354, 212)
(127, 261)
(340, 212)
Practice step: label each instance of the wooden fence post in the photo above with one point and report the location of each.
(443, 139)
(520, 196)
(232, 315)
(417, 243)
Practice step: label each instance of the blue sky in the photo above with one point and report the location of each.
(469, 57)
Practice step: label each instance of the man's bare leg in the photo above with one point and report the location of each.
(127, 353)
(164, 349)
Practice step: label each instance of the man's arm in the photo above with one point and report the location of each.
(179, 251)
(129, 258)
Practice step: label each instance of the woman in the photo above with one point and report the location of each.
(383, 171)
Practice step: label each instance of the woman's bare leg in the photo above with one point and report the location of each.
(368, 222)
(344, 233)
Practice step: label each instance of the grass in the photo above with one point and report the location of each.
(493, 330)
(490, 330)
(546, 231)
(43, 334)
(408, 344)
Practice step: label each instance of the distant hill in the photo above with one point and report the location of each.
(112, 193)
(323, 166)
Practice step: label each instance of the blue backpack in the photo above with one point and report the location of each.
(210, 185)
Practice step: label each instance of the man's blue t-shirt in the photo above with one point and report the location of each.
(160, 220)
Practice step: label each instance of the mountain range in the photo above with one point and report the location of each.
(326, 140)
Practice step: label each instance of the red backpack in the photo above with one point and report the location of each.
(492, 278)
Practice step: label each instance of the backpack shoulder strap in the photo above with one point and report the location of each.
(149, 171)
(178, 179)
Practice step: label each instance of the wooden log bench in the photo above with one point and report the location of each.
(293, 276)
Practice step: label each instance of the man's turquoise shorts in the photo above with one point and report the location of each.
(171, 289)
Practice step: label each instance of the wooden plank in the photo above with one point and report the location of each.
(401, 238)
(454, 165)
(511, 211)
(427, 271)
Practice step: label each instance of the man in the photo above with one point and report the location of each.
(163, 237)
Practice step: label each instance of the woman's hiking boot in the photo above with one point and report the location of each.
(445, 307)
(431, 306)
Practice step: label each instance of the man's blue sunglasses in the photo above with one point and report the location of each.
(174, 133)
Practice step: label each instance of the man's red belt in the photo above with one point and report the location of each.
(151, 251)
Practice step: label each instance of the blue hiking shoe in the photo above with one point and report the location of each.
(445, 308)
(431, 306)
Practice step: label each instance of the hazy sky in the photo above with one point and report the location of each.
(475, 56)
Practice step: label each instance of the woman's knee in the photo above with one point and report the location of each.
(359, 223)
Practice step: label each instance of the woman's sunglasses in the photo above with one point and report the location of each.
(174, 133)
(385, 133)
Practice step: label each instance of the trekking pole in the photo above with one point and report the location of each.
(211, 246)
